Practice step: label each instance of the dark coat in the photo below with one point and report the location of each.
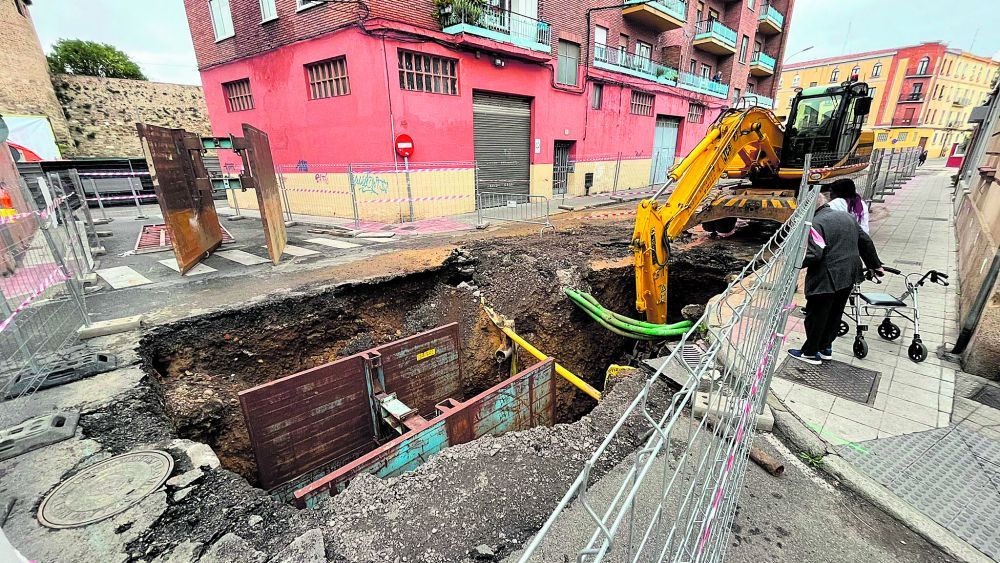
(837, 246)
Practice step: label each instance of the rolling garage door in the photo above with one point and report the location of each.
(502, 141)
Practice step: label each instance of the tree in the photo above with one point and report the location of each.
(89, 58)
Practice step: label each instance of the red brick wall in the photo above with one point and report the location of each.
(936, 53)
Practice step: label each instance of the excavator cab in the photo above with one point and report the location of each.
(825, 121)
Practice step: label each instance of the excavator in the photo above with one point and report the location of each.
(768, 158)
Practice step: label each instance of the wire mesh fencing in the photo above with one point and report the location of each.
(44, 253)
(676, 497)
(513, 208)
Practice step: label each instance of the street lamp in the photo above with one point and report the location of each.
(799, 52)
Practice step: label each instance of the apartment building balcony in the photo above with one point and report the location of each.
(753, 99)
(631, 64)
(499, 25)
(770, 21)
(703, 85)
(762, 64)
(913, 98)
(961, 102)
(658, 15)
(903, 121)
(713, 37)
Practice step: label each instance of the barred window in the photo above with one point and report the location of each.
(238, 96)
(642, 103)
(882, 137)
(696, 113)
(328, 78)
(427, 73)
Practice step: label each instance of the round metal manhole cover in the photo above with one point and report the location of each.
(105, 489)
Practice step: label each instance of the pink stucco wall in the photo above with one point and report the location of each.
(360, 127)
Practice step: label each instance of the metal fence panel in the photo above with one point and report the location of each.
(512, 207)
(676, 500)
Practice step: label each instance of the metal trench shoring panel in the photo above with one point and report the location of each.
(187, 207)
(258, 162)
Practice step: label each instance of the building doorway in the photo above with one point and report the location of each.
(561, 167)
(664, 148)
(501, 133)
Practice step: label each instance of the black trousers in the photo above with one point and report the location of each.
(823, 314)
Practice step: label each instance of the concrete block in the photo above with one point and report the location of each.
(291, 223)
(307, 548)
(98, 250)
(720, 408)
(104, 234)
(111, 326)
(236, 218)
(89, 279)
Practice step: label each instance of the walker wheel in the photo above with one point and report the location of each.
(843, 328)
(860, 348)
(917, 351)
(888, 330)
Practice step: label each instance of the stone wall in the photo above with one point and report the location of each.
(25, 88)
(102, 112)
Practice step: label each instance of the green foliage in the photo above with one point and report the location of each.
(462, 11)
(75, 56)
(811, 460)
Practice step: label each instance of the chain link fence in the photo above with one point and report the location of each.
(676, 498)
(45, 250)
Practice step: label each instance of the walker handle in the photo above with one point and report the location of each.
(890, 269)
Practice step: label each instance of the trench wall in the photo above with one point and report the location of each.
(524, 401)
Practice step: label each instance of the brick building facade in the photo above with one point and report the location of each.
(598, 96)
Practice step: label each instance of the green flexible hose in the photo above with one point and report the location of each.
(622, 325)
(636, 322)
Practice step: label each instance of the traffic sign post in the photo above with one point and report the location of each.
(404, 148)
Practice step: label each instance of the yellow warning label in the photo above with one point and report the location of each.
(426, 354)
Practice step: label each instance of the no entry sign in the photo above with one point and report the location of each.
(404, 145)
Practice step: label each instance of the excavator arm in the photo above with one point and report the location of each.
(753, 131)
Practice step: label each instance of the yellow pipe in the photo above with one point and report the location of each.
(565, 373)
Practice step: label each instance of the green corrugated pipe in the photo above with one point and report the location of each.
(622, 325)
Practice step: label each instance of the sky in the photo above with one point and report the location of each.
(155, 32)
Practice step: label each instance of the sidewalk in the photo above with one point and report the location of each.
(910, 426)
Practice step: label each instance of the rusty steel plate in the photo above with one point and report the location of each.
(104, 489)
(187, 207)
(260, 166)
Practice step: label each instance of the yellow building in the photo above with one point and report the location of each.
(922, 94)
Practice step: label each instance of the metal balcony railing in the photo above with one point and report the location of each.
(636, 65)
(763, 59)
(768, 12)
(902, 121)
(496, 21)
(753, 99)
(715, 29)
(673, 8)
(697, 83)
(912, 97)
(961, 102)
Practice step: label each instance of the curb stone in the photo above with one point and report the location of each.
(792, 429)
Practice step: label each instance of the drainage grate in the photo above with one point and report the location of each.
(692, 355)
(840, 379)
(155, 238)
(988, 395)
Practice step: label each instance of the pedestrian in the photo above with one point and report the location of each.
(717, 77)
(922, 158)
(837, 247)
(844, 197)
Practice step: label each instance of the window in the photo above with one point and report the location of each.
(811, 84)
(693, 67)
(706, 71)
(696, 113)
(757, 47)
(936, 137)
(303, 4)
(267, 11)
(815, 116)
(622, 46)
(796, 80)
(750, 4)
(903, 135)
(222, 19)
(238, 96)
(835, 75)
(882, 137)
(642, 103)
(877, 70)
(600, 35)
(743, 49)
(701, 10)
(917, 90)
(20, 8)
(643, 50)
(597, 96)
(328, 78)
(856, 72)
(713, 14)
(427, 73)
(922, 65)
(569, 59)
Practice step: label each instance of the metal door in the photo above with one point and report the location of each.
(502, 142)
(561, 167)
(664, 148)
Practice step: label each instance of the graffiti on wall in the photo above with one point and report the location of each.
(368, 183)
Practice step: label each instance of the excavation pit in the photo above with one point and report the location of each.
(203, 364)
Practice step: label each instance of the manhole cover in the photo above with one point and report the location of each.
(988, 395)
(105, 489)
(837, 378)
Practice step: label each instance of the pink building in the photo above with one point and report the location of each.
(545, 98)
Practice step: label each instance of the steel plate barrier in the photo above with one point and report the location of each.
(512, 207)
(676, 497)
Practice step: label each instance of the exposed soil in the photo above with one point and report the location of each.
(203, 363)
